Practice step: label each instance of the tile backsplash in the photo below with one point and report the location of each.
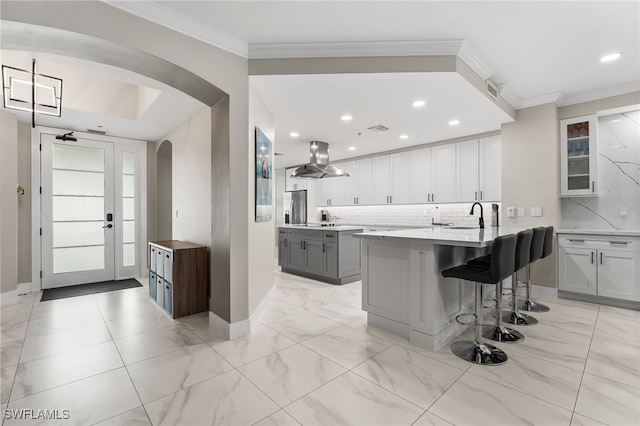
(619, 179)
(410, 214)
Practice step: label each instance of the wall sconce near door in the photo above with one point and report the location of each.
(29, 91)
(20, 190)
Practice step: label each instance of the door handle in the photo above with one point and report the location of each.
(108, 226)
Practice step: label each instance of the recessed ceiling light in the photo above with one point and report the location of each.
(610, 57)
(352, 148)
(294, 134)
(346, 117)
(404, 136)
(454, 122)
(418, 104)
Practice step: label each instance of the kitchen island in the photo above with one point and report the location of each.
(403, 290)
(326, 253)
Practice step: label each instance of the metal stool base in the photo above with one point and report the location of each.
(531, 306)
(478, 353)
(500, 333)
(517, 318)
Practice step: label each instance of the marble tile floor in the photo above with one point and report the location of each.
(117, 359)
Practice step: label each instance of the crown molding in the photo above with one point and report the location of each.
(354, 49)
(469, 57)
(600, 94)
(161, 15)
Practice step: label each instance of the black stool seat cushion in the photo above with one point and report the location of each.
(501, 266)
(547, 247)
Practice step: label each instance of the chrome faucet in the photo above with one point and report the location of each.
(481, 219)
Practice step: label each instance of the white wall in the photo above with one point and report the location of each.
(191, 186)
(530, 176)
(8, 204)
(261, 235)
(24, 203)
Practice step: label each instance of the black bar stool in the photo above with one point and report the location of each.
(547, 249)
(525, 257)
(502, 265)
(499, 332)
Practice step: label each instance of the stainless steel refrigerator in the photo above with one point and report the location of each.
(295, 203)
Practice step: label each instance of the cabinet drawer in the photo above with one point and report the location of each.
(159, 262)
(168, 265)
(153, 258)
(305, 234)
(168, 297)
(330, 236)
(599, 242)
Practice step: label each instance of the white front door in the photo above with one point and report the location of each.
(90, 210)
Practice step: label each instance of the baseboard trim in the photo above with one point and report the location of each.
(230, 330)
(240, 328)
(12, 296)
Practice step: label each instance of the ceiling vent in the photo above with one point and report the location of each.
(492, 89)
(378, 128)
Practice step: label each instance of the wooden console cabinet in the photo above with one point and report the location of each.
(178, 277)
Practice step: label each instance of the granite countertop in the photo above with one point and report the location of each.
(473, 237)
(313, 227)
(612, 232)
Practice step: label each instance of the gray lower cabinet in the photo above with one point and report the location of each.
(330, 256)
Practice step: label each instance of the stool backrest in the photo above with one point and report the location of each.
(537, 243)
(547, 248)
(523, 249)
(503, 257)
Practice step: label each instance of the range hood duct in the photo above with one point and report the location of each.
(318, 166)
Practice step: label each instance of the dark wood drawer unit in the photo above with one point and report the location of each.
(179, 274)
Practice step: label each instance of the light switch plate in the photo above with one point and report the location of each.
(536, 211)
(511, 211)
(521, 211)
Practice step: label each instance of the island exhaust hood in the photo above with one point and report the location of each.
(318, 166)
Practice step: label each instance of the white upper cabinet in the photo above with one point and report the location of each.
(421, 175)
(337, 187)
(579, 156)
(323, 191)
(365, 179)
(293, 184)
(350, 183)
(400, 178)
(490, 169)
(444, 172)
(381, 179)
(467, 170)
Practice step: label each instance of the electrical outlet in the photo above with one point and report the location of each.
(536, 211)
(622, 211)
(521, 212)
(511, 212)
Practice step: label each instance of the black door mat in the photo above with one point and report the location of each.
(84, 289)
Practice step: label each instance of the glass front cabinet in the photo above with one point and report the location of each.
(579, 156)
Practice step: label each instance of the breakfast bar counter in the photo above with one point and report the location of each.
(403, 290)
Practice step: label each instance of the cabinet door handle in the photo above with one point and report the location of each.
(593, 186)
(301, 245)
(391, 199)
(323, 250)
(601, 258)
(476, 196)
(576, 241)
(167, 256)
(619, 242)
(428, 197)
(481, 197)
(433, 197)
(592, 253)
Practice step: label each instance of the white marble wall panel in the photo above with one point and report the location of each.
(618, 176)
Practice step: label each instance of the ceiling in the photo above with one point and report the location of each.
(537, 52)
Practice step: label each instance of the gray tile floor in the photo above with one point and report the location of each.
(116, 358)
